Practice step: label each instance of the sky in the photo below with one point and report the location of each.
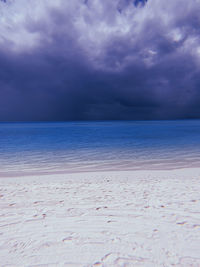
(99, 60)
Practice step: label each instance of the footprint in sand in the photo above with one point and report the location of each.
(189, 261)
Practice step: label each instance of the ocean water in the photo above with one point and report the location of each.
(29, 148)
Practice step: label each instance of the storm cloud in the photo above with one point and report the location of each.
(99, 59)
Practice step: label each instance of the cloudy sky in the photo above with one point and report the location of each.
(99, 59)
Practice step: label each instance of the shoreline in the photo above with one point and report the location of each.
(117, 218)
(14, 174)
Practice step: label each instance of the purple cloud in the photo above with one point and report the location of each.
(84, 59)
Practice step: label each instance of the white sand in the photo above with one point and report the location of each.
(140, 218)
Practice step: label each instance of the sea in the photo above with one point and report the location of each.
(68, 147)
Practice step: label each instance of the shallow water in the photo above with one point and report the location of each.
(27, 148)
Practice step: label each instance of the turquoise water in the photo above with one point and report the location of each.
(27, 148)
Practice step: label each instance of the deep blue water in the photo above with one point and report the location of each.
(115, 145)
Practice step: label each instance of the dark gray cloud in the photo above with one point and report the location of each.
(83, 59)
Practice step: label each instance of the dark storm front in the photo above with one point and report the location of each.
(27, 148)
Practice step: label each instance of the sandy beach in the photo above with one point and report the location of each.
(129, 218)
